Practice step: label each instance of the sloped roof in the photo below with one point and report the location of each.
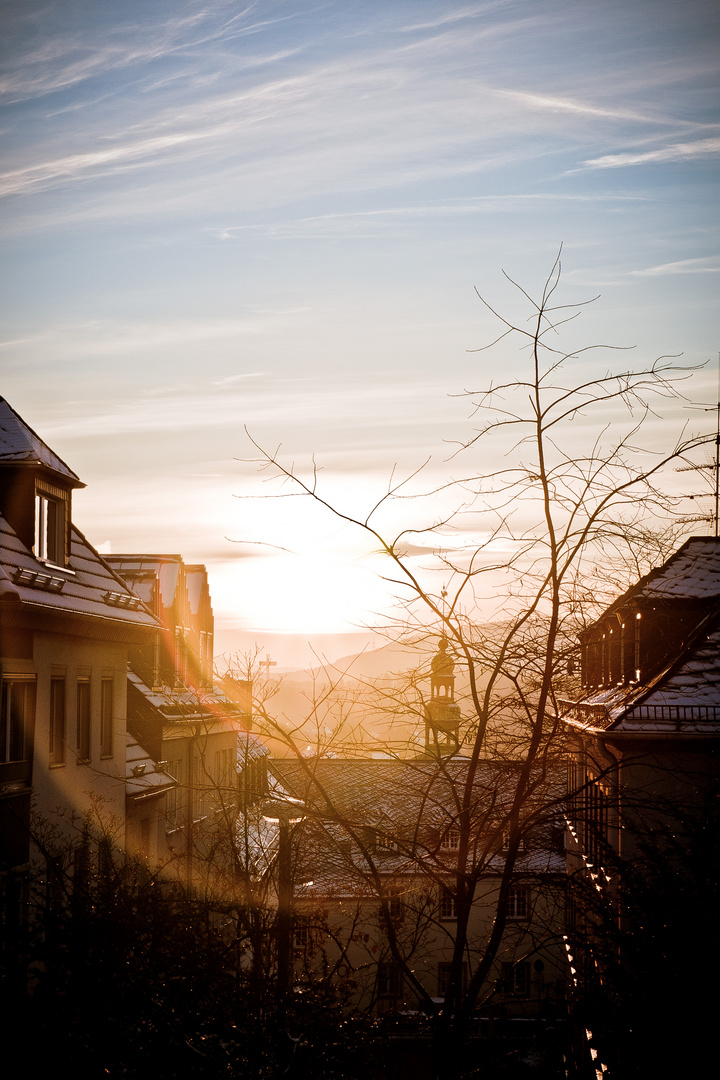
(87, 588)
(180, 703)
(19, 444)
(250, 747)
(373, 791)
(142, 776)
(692, 573)
(411, 802)
(393, 795)
(683, 695)
(137, 568)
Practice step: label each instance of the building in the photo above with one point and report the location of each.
(644, 748)
(174, 710)
(377, 855)
(382, 889)
(67, 623)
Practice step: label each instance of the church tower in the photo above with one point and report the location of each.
(442, 715)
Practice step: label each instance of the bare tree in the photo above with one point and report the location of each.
(580, 485)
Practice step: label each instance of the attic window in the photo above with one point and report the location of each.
(50, 528)
(451, 840)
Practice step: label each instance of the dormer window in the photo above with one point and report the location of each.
(451, 840)
(50, 525)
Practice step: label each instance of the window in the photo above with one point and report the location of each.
(448, 904)
(451, 840)
(518, 902)
(83, 719)
(389, 979)
(106, 717)
(174, 803)
(506, 841)
(516, 979)
(393, 894)
(17, 716)
(444, 973)
(303, 933)
(225, 776)
(49, 529)
(56, 755)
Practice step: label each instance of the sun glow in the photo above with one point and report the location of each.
(299, 594)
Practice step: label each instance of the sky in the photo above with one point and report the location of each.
(272, 218)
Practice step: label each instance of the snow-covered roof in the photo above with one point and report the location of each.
(411, 803)
(19, 444)
(180, 703)
(164, 568)
(142, 776)
(681, 693)
(87, 587)
(693, 572)
(250, 747)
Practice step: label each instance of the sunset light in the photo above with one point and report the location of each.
(359, 538)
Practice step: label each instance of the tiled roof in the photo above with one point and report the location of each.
(250, 747)
(395, 795)
(411, 802)
(165, 568)
(375, 791)
(693, 572)
(682, 695)
(142, 776)
(19, 444)
(180, 703)
(88, 587)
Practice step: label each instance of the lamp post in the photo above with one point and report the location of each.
(285, 813)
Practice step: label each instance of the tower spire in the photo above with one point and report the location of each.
(442, 715)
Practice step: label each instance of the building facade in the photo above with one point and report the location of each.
(644, 783)
(67, 623)
(175, 711)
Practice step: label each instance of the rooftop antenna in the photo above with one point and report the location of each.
(717, 454)
(715, 466)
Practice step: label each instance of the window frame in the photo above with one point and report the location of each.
(451, 839)
(517, 903)
(448, 904)
(57, 720)
(393, 896)
(107, 716)
(51, 525)
(389, 979)
(17, 724)
(444, 972)
(83, 715)
(516, 979)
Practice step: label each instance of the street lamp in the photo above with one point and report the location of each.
(284, 813)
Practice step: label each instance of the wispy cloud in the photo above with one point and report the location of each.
(378, 116)
(64, 59)
(361, 224)
(458, 15)
(572, 105)
(269, 398)
(684, 266)
(683, 151)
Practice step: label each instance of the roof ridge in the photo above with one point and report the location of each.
(20, 444)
